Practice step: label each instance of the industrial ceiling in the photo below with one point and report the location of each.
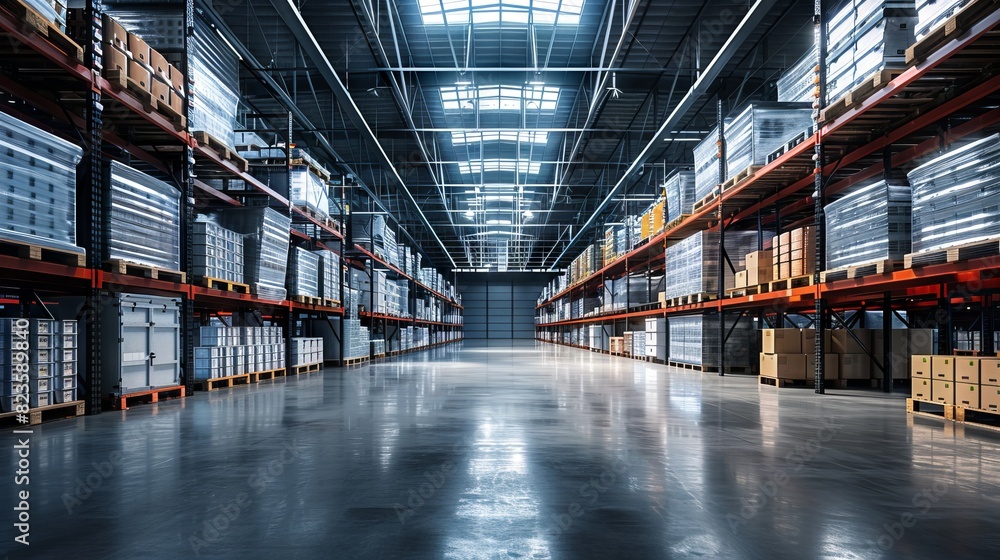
(504, 134)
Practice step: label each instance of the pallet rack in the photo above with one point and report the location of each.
(63, 93)
(893, 123)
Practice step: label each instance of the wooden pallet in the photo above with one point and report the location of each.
(691, 299)
(743, 175)
(306, 368)
(862, 91)
(118, 266)
(317, 171)
(327, 302)
(953, 27)
(307, 300)
(220, 147)
(706, 200)
(927, 258)
(41, 253)
(674, 223)
(877, 268)
(321, 218)
(269, 374)
(151, 104)
(41, 414)
(707, 369)
(122, 402)
(225, 382)
(986, 419)
(747, 291)
(33, 22)
(790, 283)
(358, 361)
(781, 382)
(224, 285)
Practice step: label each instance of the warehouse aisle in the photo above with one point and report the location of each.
(534, 451)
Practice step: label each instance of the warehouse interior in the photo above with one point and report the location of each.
(500, 278)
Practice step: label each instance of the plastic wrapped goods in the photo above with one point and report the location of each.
(303, 273)
(797, 83)
(680, 194)
(329, 275)
(265, 247)
(692, 265)
(706, 164)
(955, 196)
(142, 219)
(864, 37)
(933, 13)
(760, 129)
(37, 186)
(695, 340)
(870, 224)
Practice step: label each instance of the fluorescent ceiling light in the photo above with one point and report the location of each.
(521, 136)
(470, 214)
(498, 222)
(500, 98)
(464, 12)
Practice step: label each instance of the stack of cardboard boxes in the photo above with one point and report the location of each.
(652, 220)
(788, 353)
(129, 62)
(793, 253)
(758, 270)
(966, 381)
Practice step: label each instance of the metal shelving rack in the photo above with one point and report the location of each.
(942, 98)
(94, 103)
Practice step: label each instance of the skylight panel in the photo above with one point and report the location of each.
(499, 165)
(464, 12)
(500, 98)
(521, 137)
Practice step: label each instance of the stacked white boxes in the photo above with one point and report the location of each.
(217, 252)
(38, 186)
(955, 196)
(378, 347)
(303, 273)
(308, 190)
(38, 359)
(227, 351)
(306, 351)
(656, 338)
(870, 224)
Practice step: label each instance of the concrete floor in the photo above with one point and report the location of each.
(536, 451)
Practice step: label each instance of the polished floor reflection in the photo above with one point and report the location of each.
(534, 451)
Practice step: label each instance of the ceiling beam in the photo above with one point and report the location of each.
(742, 32)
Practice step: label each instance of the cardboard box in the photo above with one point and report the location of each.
(855, 366)
(809, 341)
(967, 395)
(989, 398)
(784, 270)
(741, 279)
(759, 275)
(781, 341)
(783, 366)
(844, 343)
(161, 91)
(920, 367)
(775, 272)
(176, 101)
(159, 65)
(921, 389)
(177, 79)
(943, 368)
(784, 242)
(989, 371)
(966, 370)
(831, 363)
(114, 59)
(114, 34)
(759, 260)
(942, 392)
(138, 48)
(139, 73)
